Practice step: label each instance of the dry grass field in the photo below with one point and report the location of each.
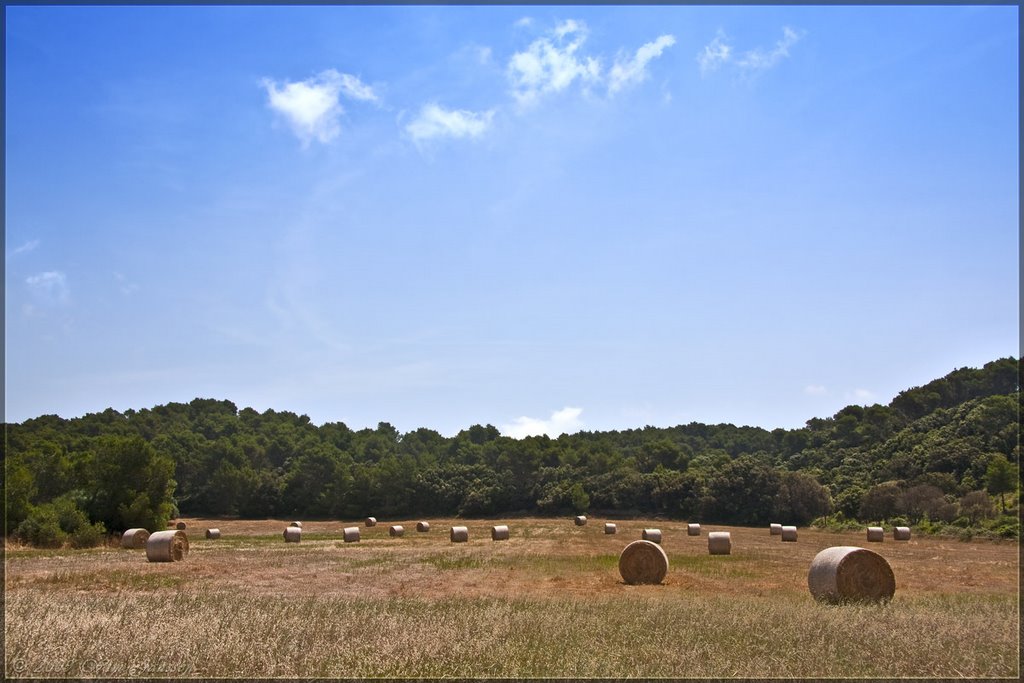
(549, 602)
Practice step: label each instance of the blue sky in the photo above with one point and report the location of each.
(542, 218)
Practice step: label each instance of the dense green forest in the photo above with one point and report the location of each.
(943, 455)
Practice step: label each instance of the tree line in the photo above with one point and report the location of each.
(946, 452)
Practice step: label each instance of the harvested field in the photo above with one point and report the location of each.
(539, 605)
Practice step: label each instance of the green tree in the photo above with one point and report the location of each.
(801, 499)
(131, 484)
(1001, 478)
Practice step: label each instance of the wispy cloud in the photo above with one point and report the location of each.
(435, 121)
(564, 421)
(815, 390)
(49, 288)
(861, 396)
(627, 72)
(127, 288)
(551, 64)
(312, 107)
(25, 248)
(719, 52)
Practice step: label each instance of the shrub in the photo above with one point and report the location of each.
(42, 528)
(89, 535)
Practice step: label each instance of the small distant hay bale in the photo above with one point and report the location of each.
(292, 534)
(774, 529)
(849, 574)
(789, 534)
(351, 534)
(581, 520)
(423, 526)
(693, 529)
(653, 535)
(213, 534)
(396, 530)
(610, 528)
(371, 521)
(170, 522)
(643, 562)
(134, 539)
(298, 524)
(167, 546)
(499, 533)
(901, 533)
(180, 526)
(459, 534)
(719, 543)
(876, 534)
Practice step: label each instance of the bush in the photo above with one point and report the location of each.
(42, 528)
(89, 535)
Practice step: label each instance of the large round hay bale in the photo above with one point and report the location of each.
(213, 534)
(298, 524)
(292, 534)
(459, 534)
(581, 520)
(643, 562)
(774, 529)
(850, 574)
(499, 533)
(719, 543)
(396, 530)
(371, 521)
(423, 526)
(693, 529)
(876, 534)
(134, 539)
(610, 528)
(167, 546)
(351, 534)
(652, 535)
(789, 534)
(180, 526)
(901, 533)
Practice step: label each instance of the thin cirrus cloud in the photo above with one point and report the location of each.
(720, 53)
(564, 421)
(49, 288)
(312, 107)
(435, 121)
(628, 72)
(25, 248)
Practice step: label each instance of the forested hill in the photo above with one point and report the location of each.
(918, 457)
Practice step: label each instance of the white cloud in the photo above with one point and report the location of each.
(815, 390)
(550, 64)
(524, 22)
(625, 73)
(25, 248)
(49, 288)
(564, 421)
(719, 52)
(311, 107)
(714, 54)
(437, 122)
(861, 395)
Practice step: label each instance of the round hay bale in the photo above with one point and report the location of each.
(850, 574)
(292, 534)
(171, 522)
(180, 526)
(876, 534)
(789, 534)
(298, 524)
(396, 530)
(774, 529)
(643, 562)
(213, 534)
(423, 526)
(371, 521)
(901, 533)
(167, 546)
(459, 534)
(581, 520)
(499, 533)
(653, 535)
(351, 534)
(693, 529)
(719, 543)
(134, 539)
(610, 528)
